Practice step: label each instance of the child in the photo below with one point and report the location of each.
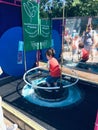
(54, 68)
(84, 54)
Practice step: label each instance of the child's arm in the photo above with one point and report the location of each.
(80, 54)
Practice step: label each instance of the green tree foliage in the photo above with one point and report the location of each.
(72, 8)
(50, 9)
(85, 8)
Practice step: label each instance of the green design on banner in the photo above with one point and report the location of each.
(45, 34)
(30, 24)
(36, 32)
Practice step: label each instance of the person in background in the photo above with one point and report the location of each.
(84, 54)
(67, 38)
(75, 43)
(95, 48)
(88, 40)
(54, 68)
(74, 34)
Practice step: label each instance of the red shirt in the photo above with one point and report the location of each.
(85, 54)
(54, 67)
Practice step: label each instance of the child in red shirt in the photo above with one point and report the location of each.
(54, 68)
(84, 54)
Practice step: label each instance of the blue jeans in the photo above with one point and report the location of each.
(52, 80)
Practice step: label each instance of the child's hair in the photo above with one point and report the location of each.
(89, 26)
(50, 52)
(81, 45)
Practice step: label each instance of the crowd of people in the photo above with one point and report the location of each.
(85, 47)
(82, 48)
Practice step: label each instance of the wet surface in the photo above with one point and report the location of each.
(79, 116)
(82, 66)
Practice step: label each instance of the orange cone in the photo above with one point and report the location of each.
(96, 123)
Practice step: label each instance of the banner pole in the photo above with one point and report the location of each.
(25, 63)
(38, 51)
(62, 42)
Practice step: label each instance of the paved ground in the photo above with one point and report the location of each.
(68, 56)
(90, 66)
